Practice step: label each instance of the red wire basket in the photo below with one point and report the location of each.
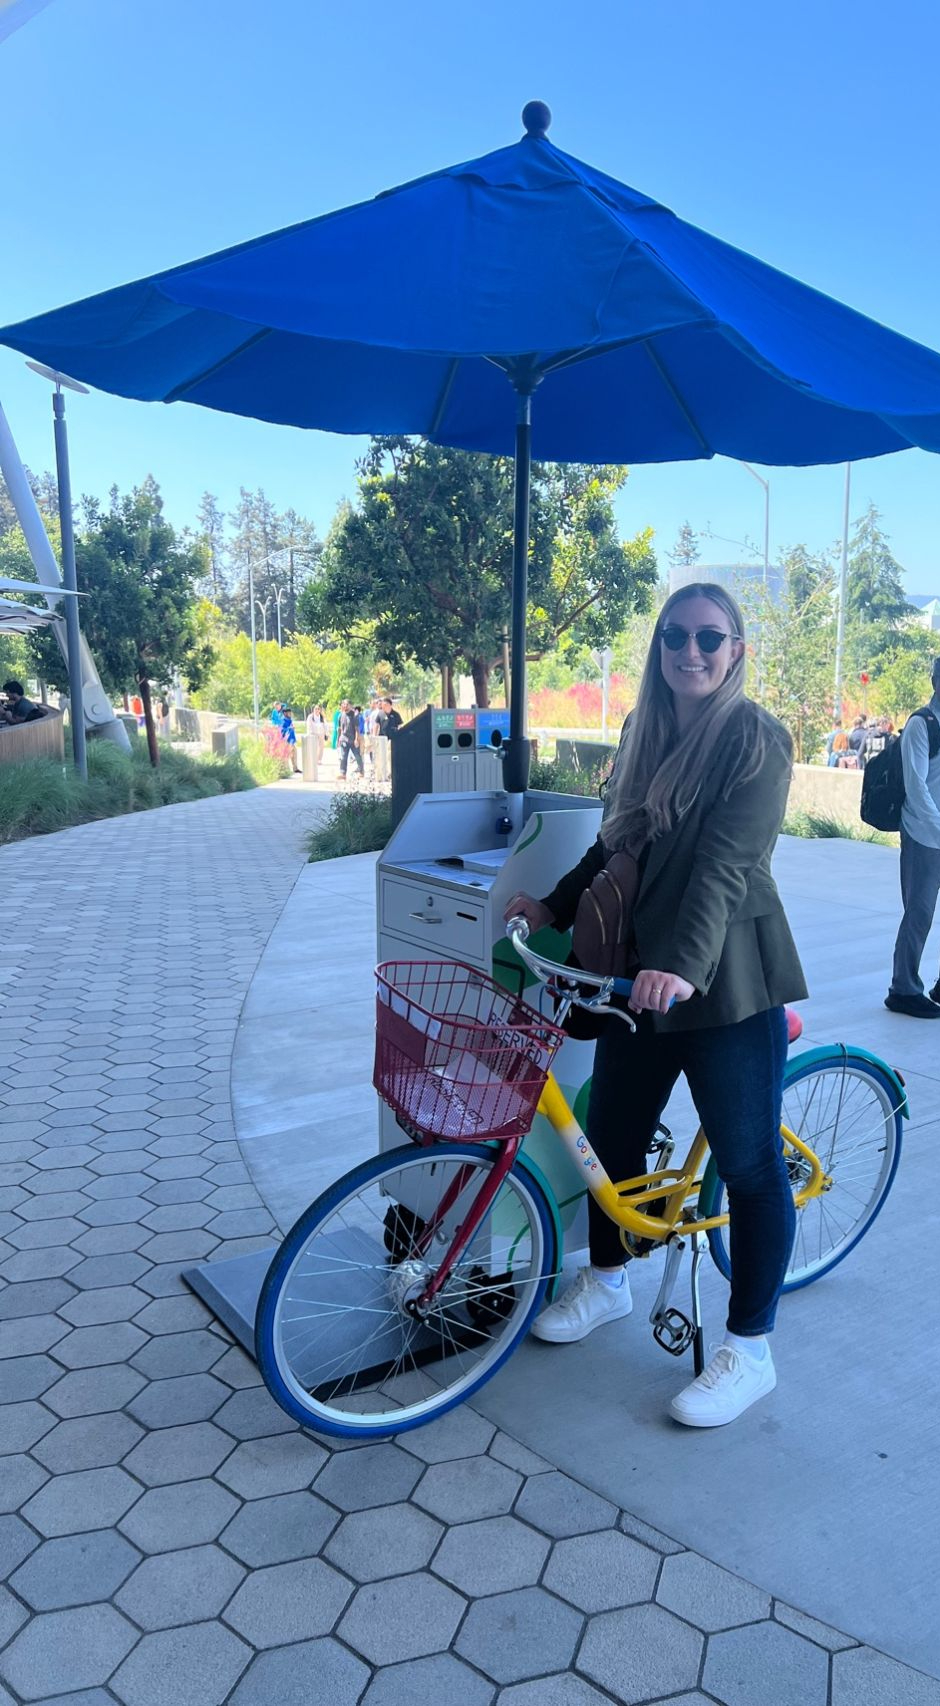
(456, 1055)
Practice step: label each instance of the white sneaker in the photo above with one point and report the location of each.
(586, 1304)
(725, 1389)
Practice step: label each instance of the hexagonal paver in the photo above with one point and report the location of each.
(178, 1454)
(16, 1543)
(88, 1499)
(520, 1634)
(288, 1602)
(63, 1651)
(171, 1354)
(187, 1398)
(199, 1663)
(864, 1675)
(77, 1570)
(833, 1640)
(252, 1414)
(190, 1513)
(407, 1617)
(429, 1682)
(21, 1425)
(120, 1269)
(598, 1572)
(473, 1488)
(108, 1303)
(279, 1529)
(90, 1347)
(492, 1556)
(641, 1653)
(88, 1442)
(562, 1507)
(461, 1433)
(91, 1391)
(21, 1337)
(180, 1587)
(12, 1617)
(27, 1377)
(283, 1463)
(36, 1299)
(708, 1596)
(20, 1477)
(566, 1689)
(739, 1662)
(368, 1475)
(389, 1541)
(310, 1673)
(172, 1314)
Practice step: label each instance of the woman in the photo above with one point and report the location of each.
(698, 794)
(289, 734)
(316, 726)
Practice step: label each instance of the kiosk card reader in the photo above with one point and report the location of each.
(443, 883)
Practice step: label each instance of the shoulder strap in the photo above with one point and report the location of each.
(933, 729)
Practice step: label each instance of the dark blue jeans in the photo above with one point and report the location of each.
(735, 1074)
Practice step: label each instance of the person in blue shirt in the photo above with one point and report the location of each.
(290, 735)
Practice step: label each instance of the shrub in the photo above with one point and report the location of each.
(41, 796)
(352, 823)
(555, 778)
(819, 826)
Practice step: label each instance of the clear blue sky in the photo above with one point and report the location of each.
(142, 133)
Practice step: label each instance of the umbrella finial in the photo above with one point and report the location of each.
(536, 117)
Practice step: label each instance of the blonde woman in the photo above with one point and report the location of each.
(698, 794)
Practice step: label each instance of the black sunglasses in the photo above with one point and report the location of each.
(708, 640)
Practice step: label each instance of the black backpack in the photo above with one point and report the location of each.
(883, 781)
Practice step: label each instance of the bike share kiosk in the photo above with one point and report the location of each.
(442, 886)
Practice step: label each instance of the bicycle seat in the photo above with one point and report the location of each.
(794, 1025)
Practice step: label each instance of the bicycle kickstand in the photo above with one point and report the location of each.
(699, 1246)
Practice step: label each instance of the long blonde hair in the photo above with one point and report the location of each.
(658, 773)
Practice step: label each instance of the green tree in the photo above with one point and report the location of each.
(902, 679)
(211, 531)
(423, 561)
(141, 614)
(685, 551)
(793, 656)
(876, 604)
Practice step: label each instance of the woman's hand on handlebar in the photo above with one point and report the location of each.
(535, 912)
(655, 991)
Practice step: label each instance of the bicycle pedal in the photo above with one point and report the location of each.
(674, 1332)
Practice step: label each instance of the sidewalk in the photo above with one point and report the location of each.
(170, 1538)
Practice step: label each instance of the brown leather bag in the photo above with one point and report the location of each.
(602, 935)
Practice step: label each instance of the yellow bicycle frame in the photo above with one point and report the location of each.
(670, 1188)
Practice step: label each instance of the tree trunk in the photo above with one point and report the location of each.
(448, 698)
(480, 670)
(143, 682)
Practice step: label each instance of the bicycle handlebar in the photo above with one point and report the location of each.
(571, 977)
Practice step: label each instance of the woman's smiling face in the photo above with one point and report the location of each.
(691, 673)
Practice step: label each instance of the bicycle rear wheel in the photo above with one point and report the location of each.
(848, 1111)
(335, 1342)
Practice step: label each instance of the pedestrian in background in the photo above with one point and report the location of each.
(348, 739)
(920, 858)
(290, 735)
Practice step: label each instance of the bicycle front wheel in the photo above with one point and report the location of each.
(335, 1340)
(848, 1111)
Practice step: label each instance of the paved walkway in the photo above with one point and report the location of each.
(170, 1538)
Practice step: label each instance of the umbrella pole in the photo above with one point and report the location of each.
(517, 749)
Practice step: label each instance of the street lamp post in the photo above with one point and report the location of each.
(843, 583)
(254, 642)
(263, 607)
(69, 579)
(281, 592)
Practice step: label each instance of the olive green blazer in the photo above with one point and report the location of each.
(707, 907)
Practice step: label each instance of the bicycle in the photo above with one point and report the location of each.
(407, 1284)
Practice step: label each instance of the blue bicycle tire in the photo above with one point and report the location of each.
(313, 1415)
(841, 1060)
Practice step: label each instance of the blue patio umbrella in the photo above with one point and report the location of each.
(442, 306)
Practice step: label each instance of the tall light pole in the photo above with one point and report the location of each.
(254, 641)
(263, 607)
(766, 485)
(843, 584)
(73, 633)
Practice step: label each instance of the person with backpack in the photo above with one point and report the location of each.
(695, 803)
(920, 856)
(348, 739)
